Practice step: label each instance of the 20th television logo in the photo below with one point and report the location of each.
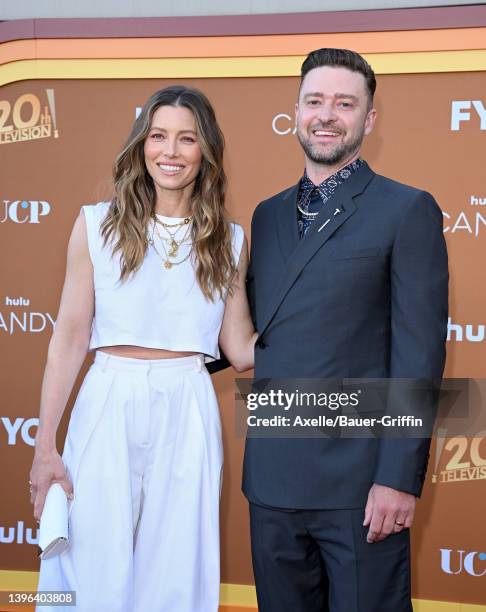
(460, 433)
(465, 458)
(28, 118)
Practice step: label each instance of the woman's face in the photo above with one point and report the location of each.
(172, 152)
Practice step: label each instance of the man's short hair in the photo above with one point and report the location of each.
(343, 58)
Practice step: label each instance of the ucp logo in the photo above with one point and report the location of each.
(24, 211)
(459, 561)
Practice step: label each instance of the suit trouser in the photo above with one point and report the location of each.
(144, 454)
(319, 561)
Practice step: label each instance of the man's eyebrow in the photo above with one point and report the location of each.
(345, 95)
(314, 94)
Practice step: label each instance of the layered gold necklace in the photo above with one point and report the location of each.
(171, 239)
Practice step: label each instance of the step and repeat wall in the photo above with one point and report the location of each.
(65, 111)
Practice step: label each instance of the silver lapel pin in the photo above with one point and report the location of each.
(336, 212)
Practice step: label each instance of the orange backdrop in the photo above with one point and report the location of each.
(62, 160)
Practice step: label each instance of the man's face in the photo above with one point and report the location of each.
(332, 114)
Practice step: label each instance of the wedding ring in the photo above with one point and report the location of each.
(399, 524)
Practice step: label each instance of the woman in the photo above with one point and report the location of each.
(153, 279)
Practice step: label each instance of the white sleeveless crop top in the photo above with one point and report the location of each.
(156, 307)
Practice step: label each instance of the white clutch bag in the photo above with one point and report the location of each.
(54, 532)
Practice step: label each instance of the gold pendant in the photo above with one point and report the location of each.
(167, 264)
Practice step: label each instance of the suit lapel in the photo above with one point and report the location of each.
(299, 252)
(288, 233)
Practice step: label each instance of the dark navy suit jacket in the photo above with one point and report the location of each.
(366, 296)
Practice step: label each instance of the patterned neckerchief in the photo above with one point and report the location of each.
(312, 197)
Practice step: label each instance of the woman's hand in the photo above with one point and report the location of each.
(47, 468)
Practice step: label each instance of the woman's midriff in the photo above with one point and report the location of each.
(140, 352)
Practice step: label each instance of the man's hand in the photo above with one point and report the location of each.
(387, 511)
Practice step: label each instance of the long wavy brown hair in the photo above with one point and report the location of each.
(133, 203)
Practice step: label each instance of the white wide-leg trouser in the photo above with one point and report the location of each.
(144, 453)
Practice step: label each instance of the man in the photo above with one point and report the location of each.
(348, 278)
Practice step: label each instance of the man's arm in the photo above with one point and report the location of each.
(419, 310)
